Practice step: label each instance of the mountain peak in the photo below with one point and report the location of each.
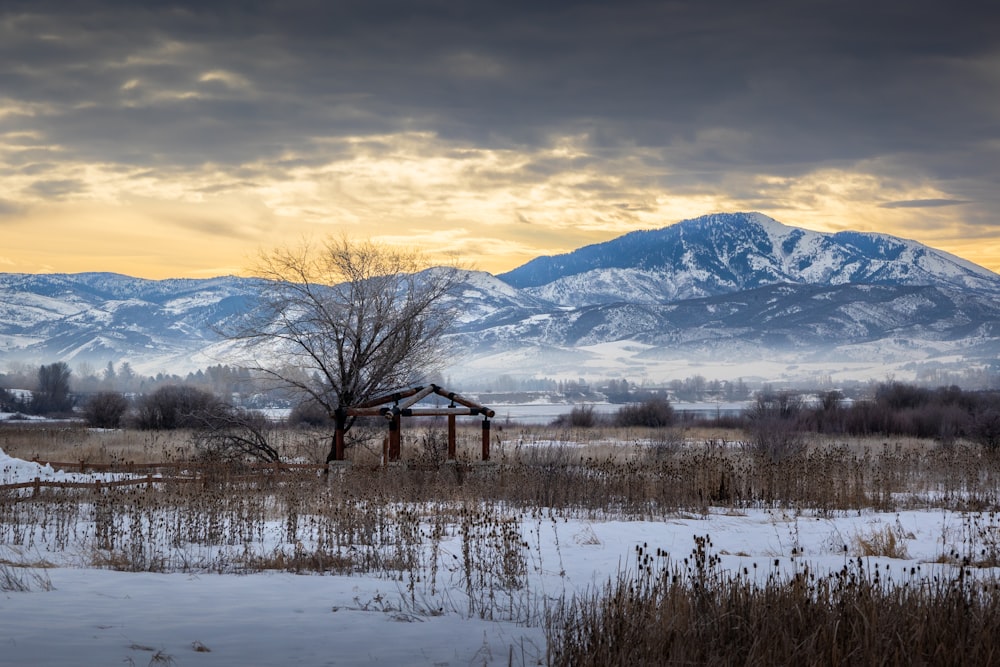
(723, 253)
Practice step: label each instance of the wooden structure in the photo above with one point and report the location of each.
(393, 407)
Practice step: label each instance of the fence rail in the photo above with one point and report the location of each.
(134, 468)
(156, 473)
(37, 484)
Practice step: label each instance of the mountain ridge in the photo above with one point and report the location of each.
(720, 287)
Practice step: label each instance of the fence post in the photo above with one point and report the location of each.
(451, 438)
(394, 425)
(486, 439)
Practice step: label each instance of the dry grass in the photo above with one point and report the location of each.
(887, 542)
(22, 576)
(697, 614)
(71, 443)
(392, 521)
(652, 474)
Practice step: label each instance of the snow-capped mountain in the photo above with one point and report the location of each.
(484, 301)
(101, 317)
(717, 289)
(731, 252)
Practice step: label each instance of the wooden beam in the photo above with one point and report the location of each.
(436, 412)
(368, 412)
(461, 400)
(388, 398)
(417, 397)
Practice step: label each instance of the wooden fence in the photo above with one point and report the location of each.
(177, 467)
(157, 473)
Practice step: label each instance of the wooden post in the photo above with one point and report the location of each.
(451, 438)
(486, 439)
(394, 437)
(340, 419)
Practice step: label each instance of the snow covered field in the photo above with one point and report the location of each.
(97, 616)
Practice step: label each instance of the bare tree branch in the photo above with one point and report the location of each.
(343, 321)
(229, 434)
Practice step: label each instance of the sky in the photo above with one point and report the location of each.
(182, 139)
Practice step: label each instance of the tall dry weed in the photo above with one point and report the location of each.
(695, 613)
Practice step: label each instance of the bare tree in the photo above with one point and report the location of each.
(343, 321)
(232, 435)
(53, 394)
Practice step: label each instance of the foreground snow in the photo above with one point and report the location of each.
(97, 617)
(100, 617)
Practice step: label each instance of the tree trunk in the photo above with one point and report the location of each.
(337, 441)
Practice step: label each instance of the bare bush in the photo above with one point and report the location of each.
(174, 406)
(105, 409)
(432, 447)
(984, 429)
(774, 425)
(655, 412)
(581, 416)
(309, 413)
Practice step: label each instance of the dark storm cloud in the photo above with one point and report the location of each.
(56, 189)
(923, 203)
(775, 86)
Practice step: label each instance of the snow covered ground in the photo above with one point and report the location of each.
(100, 617)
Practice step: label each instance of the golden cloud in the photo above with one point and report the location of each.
(493, 208)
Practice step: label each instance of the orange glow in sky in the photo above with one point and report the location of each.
(482, 208)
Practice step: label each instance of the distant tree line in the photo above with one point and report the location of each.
(776, 421)
(893, 409)
(49, 395)
(614, 390)
(221, 379)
